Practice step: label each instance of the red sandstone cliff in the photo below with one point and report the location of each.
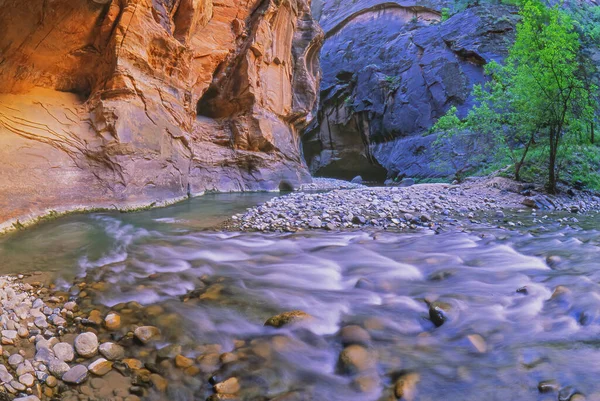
(128, 102)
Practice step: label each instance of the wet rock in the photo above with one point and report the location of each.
(86, 344)
(229, 386)
(159, 382)
(478, 343)
(51, 381)
(355, 358)
(112, 321)
(553, 261)
(64, 352)
(364, 284)
(287, 318)
(438, 313)
(406, 386)
(183, 362)
(145, 334)
(567, 393)
(112, 351)
(169, 352)
(27, 398)
(100, 367)
(548, 386)
(354, 334)
(133, 364)
(522, 290)
(76, 375)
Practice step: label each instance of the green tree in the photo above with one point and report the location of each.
(545, 76)
(542, 93)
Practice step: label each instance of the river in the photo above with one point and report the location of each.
(508, 327)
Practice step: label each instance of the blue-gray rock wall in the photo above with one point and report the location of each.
(390, 70)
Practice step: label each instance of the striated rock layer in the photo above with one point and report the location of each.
(118, 103)
(391, 69)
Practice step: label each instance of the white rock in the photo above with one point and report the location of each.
(86, 345)
(64, 352)
(5, 376)
(15, 360)
(26, 379)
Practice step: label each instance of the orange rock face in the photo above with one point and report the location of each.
(128, 102)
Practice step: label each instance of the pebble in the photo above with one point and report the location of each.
(15, 360)
(100, 367)
(27, 379)
(406, 386)
(112, 351)
(354, 334)
(64, 352)
(86, 344)
(5, 376)
(58, 368)
(145, 334)
(76, 375)
(229, 386)
(112, 321)
(287, 318)
(356, 358)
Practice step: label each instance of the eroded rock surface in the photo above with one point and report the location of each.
(117, 103)
(391, 69)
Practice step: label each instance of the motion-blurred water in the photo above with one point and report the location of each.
(159, 256)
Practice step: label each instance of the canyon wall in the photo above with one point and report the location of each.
(121, 103)
(391, 69)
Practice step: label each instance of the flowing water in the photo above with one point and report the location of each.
(215, 291)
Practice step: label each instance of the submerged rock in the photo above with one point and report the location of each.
(356, 358)
(406, 386)
(145, 334)
(287, 318)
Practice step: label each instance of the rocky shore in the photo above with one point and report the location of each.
(353, 206)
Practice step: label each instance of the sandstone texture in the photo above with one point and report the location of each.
(121, 103)
(390, 70)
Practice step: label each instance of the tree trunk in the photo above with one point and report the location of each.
(592, 136)
(552, 162)
(522, 161)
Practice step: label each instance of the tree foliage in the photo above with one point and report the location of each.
(541, 96)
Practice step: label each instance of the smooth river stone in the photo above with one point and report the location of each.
(86, 345)
(76, 375)
(64, 352)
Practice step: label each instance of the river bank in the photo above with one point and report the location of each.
(433, 206)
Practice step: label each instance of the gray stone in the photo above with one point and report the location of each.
(64, 352)
(86, 345)
(58, 367)
(76, 375)
(146, 333)
(27, 379)
(11, 334)
(15, 360)
(27, 398)
(5, 376)
(112, 352)
(41, 322)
